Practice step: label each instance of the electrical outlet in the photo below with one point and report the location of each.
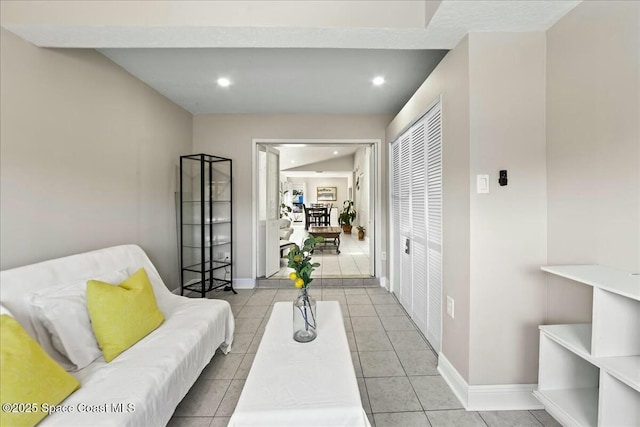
(384, 256)
(450, 307)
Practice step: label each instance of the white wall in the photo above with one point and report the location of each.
(361, 198)
(593, 147)
(312, 184)
(231, 136)
(88, 158)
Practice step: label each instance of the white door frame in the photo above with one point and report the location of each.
(378, 223)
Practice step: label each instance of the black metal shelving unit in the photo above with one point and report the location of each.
(206, 232)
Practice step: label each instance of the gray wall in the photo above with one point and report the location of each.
(231, 135)
(508, 225)
(566, 127)
(492, 88)
(593, 147)
(451, 80)
(88, 158)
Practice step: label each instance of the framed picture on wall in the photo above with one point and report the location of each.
(327, 194)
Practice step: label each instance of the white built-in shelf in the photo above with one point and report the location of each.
(610, 279)
(624, 368)
(589, 374)
(573, 407)
(577, 339)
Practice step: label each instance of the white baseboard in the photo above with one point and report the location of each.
(384, 282)
(455, 381)
(500, 397)
(504, 397)
(244, 283)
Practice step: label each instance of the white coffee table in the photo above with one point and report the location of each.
(302, 384)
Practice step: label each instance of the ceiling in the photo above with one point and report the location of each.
(275, 80)
(297, 156)
(281, 57)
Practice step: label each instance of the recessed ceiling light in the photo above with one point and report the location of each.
(224, 82)
(293, 161)
(378, 81)
(335, 152)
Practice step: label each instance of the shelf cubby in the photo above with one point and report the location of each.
(589, 374)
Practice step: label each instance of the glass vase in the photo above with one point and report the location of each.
(304, 317)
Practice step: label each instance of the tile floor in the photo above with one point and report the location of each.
(353, 260)
(396, 368)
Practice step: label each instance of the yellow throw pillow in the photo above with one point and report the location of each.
(30, 380)
(122, 315)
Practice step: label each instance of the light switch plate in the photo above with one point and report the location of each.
(482, 182)
(450, 307)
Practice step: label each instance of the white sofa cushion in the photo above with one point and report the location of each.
(154, 374)
(62, 310)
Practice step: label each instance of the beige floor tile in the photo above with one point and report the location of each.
(393, 394)
(358, 299)
(253, 311)
(203, 398)
(220, 422)
(407, 340)
(245, 366)
(370, 323)
(380, 364)
(241, 342)
(544, 417)
(372, 341)
(421, 362)
(356, 364)
(222, 367)
(404, 419)
(230, 399)
(247, 325)
(509, 418)
(434, 393)
(390, 310)
(364, 395)
(190, 422)
(458, 417)
(397, 323)
(362, 310)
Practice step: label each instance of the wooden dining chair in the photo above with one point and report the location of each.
(326, 218)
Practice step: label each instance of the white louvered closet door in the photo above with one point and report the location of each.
(418, 249)
(434, 221)
(406, 294)
(416, 223)
(396, 245)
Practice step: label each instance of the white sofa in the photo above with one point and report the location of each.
(153, 375)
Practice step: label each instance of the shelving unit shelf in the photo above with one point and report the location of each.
(206, 233)
(589, 373)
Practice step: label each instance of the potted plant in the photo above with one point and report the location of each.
(361, 231)
(347, 215)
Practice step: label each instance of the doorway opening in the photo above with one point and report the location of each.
(315, 178)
